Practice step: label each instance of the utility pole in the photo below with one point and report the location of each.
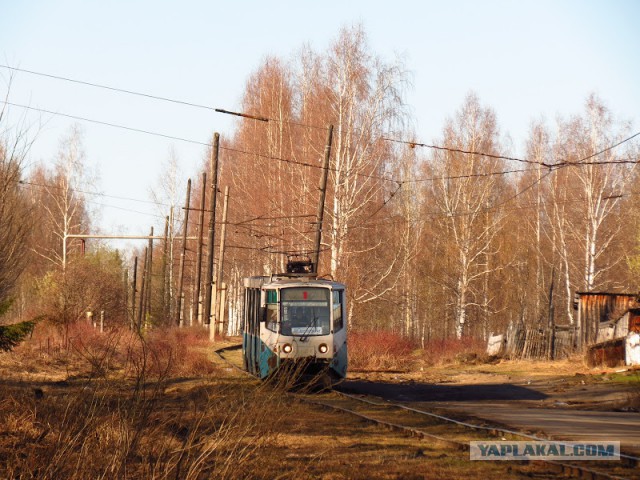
(196, 296)
(125, 289)
(219, 300)
(133, 292)
(163, 292)
(170, 290)
(179, 314)
(142, 286)
(323, 195)
(149, 277)
(206, 318)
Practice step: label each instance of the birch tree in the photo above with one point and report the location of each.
(61, 200)
(167, 194)
(365, 95)
(464, 199)
(600, 180)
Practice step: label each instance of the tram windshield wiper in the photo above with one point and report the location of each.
(313, 324)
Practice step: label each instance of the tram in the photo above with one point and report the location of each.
(295, 319)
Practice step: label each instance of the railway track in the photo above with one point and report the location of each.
(457, 433)
(452, 433)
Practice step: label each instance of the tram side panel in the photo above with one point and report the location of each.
(339, 331)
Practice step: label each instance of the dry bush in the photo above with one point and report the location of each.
(453, 350)
(180, 351)
(380, 350)
(84, 352)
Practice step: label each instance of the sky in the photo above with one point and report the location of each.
(525, 59)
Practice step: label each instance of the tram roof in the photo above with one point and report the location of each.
(288, 281)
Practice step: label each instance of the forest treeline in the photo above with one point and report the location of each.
(458, 240)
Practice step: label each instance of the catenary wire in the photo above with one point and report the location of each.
(158, 97)
(244, 222)
(290, 161)
(582, 161)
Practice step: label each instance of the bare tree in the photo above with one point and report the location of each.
(15, 223)
(585, 201)
(167, 194)
(15, 215)
(464, 199)
(365, 97)
(62, 200)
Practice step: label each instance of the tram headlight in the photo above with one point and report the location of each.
(323, 348)
(286, 348)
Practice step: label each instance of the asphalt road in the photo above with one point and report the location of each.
(523, 407)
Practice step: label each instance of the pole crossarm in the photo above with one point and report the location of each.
(123, 237)
(110, 237)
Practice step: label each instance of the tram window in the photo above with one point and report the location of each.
(272, 310)
(337, 311)
(272, 296)
(272, 317)
(305, 311)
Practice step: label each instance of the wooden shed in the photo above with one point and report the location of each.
(594, 308)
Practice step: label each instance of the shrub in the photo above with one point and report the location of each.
(179, 351)
(453, 350)
(380, 350)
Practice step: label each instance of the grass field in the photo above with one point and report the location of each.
(118, 406)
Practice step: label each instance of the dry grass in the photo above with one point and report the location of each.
(115, 430)
(112, 406)
(117, 406)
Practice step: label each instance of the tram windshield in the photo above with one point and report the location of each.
(305, 311)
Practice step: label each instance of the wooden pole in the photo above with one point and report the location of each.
(133, 292)
(219, 319)
(212, 229)
(125, 289)
(149, 278)
(142, 287)
(183, 253)
(196, 296)
(170, 291)
(323, 194)
(163, 293)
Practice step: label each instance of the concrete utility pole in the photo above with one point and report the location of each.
(179, 313)
(323, 195)
(196, 296)
(206, 318)
(219, 300)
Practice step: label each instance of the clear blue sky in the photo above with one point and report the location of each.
(525, 59)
